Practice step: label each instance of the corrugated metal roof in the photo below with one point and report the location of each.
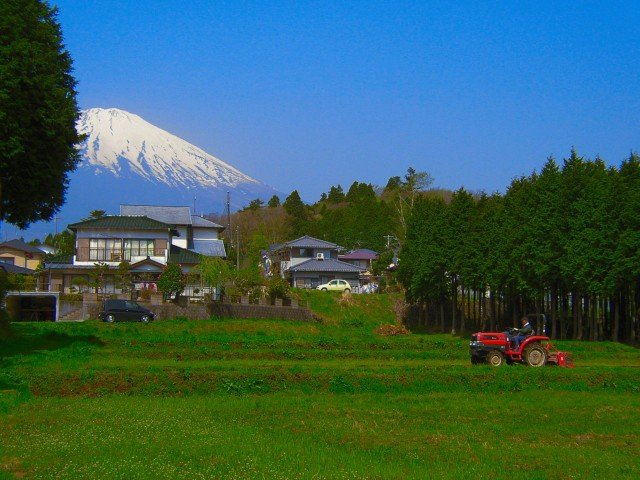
(170, 215)
(326, 265)
(311, 242)
(210, 248)
(198, 221)
(121, 222)
(18, 244)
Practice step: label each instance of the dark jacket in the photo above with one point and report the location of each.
(525, 331)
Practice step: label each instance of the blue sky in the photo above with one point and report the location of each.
(305, 95)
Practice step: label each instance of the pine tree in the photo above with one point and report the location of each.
(336, 195)
(274, 202)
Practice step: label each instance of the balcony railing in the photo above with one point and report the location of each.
(104, 255)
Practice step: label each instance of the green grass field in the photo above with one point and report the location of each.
(331, 399)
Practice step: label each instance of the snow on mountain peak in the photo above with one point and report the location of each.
(118, 142)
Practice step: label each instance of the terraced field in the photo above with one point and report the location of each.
(223, 398)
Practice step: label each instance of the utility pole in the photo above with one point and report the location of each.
(229, 213)
(55, 220)
(237, 248)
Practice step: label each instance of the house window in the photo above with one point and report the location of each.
(105, 249)
(306, 252)
(8, 260)
(138, 248)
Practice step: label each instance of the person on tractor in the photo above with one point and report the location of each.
(521, 333)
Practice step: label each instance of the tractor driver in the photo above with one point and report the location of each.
(522, 333)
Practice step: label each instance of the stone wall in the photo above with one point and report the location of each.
(216, 309)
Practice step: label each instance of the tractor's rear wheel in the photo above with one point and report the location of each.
(495, 358)
(535, 356)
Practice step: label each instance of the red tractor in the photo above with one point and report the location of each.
(497, 348)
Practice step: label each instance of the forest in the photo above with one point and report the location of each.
(564, 242)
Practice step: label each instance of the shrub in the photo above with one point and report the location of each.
(172, 280)
(278, 287)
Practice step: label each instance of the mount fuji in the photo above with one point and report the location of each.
(127, 160)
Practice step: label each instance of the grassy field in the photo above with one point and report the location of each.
(331, 399)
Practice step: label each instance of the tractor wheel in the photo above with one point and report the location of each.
(535, 356)
(495, 358)
(474, 360)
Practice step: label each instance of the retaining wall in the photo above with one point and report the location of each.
(217, 310)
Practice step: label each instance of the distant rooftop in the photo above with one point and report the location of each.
(360, 254)
(169, 215)
(311, 242)
(18, 244)
(210, 248)
(7, 267)
(198, 221)
(326, 265)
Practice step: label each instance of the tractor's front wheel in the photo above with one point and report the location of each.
(495, 358)
(535, 356)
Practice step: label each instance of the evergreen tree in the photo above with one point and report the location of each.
(294, 206)
(336, 195)
(254, 205)
(172, 281)
(274, 202)
(38, 113)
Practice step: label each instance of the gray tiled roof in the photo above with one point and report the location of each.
(210, 248)
(170, 215)
(18, 244)
(121, 222)
(361, 254)
(326, 265)
(311, 242)
(9, 268)
(198, 221)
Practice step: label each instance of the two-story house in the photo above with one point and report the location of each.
(146, 243)
(308, 262)
(20, 254)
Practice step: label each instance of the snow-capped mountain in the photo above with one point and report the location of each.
(119, 142)
(127, 160)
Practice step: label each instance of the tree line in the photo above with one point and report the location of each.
(564, 242)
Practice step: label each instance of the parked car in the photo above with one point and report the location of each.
(336, 285)
(124, 311)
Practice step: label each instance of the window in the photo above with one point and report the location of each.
(8, 260)
(138, 248)
(105, 249)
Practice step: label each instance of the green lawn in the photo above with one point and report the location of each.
(331, 399)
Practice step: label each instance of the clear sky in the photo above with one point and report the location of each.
(305, 95)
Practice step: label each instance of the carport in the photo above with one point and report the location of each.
(33, 306)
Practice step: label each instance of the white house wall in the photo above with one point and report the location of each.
(182, 240)
(200, 233)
